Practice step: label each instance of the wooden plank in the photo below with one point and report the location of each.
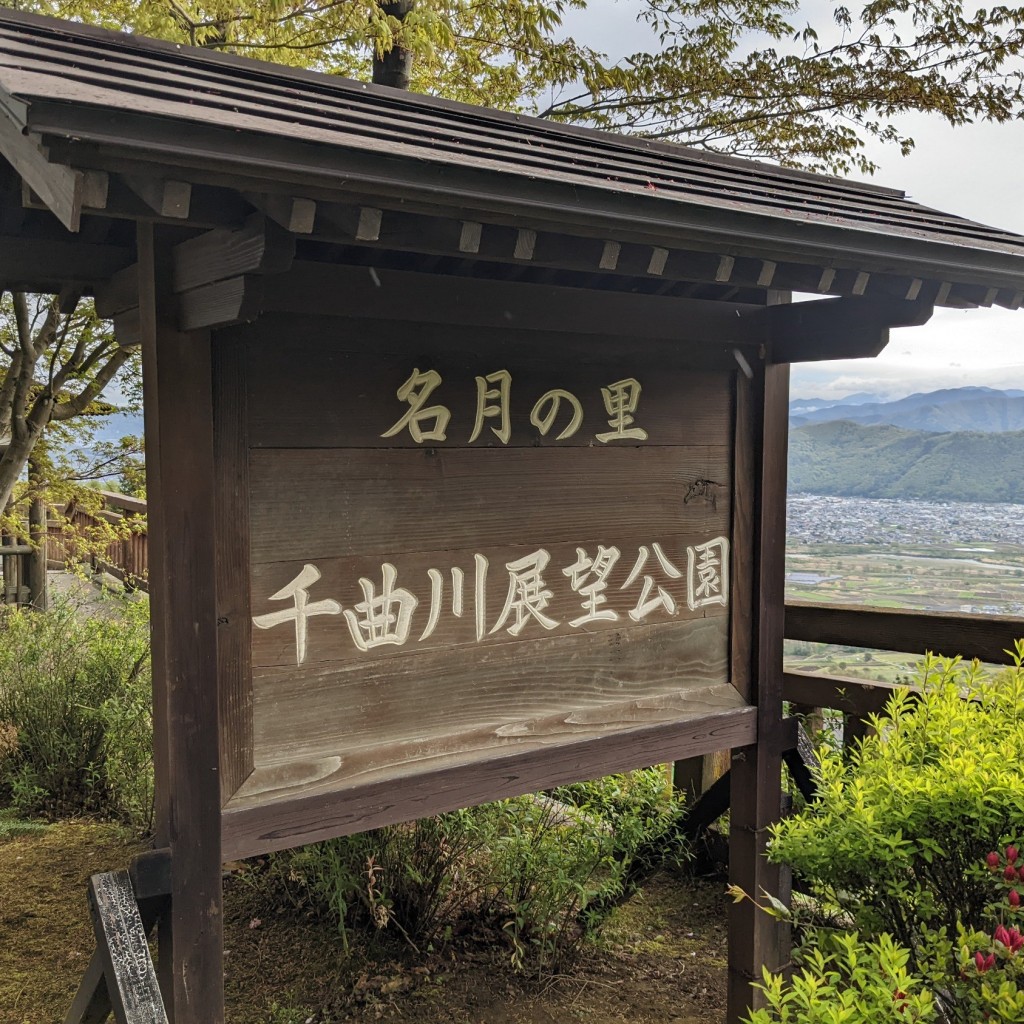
(38, 262)
(91, 1004)
(234, 623)
(181, 484)
(249, 831)
(414, 703)
(984, 637)
(405, 489)
(118, 294)
(380, 294)
(259, 247)
(122, 943)
(856, 696)
(682, 394)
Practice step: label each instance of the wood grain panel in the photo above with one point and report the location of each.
(349, 397)
(449, 783)
(405, 707)
(455, 599)
(318, 504)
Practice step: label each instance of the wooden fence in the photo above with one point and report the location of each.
(71, 539)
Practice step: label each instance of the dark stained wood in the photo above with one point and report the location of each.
(973, 636)
(122, 943)
(167, 198)
(846, 328)
(260, 246)
(37, 265)
(454, 783)
(684, 398)
(38, 588)
(233, 301)
(755, 939)
(742, 533)
(182, 550)
(853, 696)
(380, 294)
(91, 1004)
(234, 625)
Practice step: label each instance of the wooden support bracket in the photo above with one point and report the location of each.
(294, 213)
(120, 977)
(165, 197)
(847, 328)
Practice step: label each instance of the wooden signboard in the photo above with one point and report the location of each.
(462, 545)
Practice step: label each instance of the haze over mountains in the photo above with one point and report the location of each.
(961, 444)
(984, 409)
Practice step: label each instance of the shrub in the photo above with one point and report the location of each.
(74, 708)
(844, 979)
(541, 872)
(908, 843)
(896, 838)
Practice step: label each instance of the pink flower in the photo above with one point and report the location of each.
(1002, 935)
(1013, 898)
(1011, 854)
(1010, 874)
(992, 860)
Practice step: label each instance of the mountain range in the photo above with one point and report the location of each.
(987, 410)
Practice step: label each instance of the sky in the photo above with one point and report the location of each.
(977, 172)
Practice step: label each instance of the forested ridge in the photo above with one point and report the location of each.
(884, 461)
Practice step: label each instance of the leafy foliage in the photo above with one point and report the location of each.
(844, 979)
(541, 873)
(908, 844)
(743, 76)
(75, 728)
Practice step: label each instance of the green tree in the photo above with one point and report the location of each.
(741, 76)
(746, 77)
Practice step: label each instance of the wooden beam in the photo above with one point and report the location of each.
(610, 255)
(55, 264)
(973, 636)
(260, 246)
(844, 328)
(469, 236)
(853, 696)
(61, 188)
(165, 197)
(293, 213)
(526, 242)
(656, 264)
(341, 290)
(221, 304)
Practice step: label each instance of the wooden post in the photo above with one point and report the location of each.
(180, 475)
(38, 589)
(755, 939)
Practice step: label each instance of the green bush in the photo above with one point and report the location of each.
(75, 724)
(897, 837)
(908, 844)
(844, 979)
(543, 872)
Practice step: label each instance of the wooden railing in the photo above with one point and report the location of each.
(126, 558)
(987, 638)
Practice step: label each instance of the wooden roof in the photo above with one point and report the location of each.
(169, 125)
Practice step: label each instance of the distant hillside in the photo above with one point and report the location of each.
(889, 462)
(956, 409)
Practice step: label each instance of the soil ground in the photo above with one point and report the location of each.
(661, 958)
